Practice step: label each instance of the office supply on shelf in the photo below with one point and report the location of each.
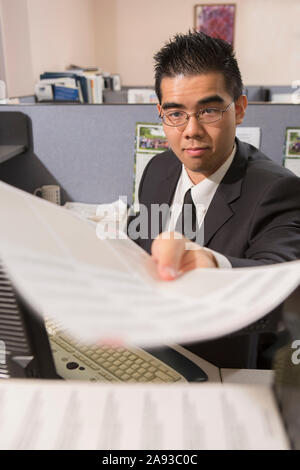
(78, 68)
(141, 95)
(68, 79)
(63, 93)
(77, 84)
(116, 82)
(115, 282)
(43, 91)
(281, 98)
(95, 88)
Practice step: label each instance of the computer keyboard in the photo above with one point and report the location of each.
(76, 361)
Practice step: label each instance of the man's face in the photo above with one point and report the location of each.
(202, 148)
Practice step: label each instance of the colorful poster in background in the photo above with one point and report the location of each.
(150, 140)
(216, 20)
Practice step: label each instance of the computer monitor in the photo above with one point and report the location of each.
(26, 351)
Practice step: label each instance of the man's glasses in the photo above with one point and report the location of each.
(178, 118)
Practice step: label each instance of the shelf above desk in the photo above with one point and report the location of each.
(10, 151)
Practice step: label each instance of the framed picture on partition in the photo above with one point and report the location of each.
(150, 139)
(292, 142)
(216, 20)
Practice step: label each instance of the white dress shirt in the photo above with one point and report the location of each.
(202, 195)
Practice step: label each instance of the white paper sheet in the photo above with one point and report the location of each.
(250, 135)
(108, 289)
(293, 164)
(55, 415)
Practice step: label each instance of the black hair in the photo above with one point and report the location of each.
(197, 53)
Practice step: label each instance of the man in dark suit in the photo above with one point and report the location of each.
(241, 208)
(254, 216)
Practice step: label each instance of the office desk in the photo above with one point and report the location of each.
(229, 376)
(247, 376)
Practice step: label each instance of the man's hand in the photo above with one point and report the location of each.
(174, 254)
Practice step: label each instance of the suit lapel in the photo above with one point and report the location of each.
(168, 184)
(167, 189)
(220, 210)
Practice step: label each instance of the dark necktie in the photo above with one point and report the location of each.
(187, 220)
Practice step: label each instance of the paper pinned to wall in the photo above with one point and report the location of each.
(292, 164)
(250, 135)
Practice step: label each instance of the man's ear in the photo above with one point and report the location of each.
(240, 108)
(158, 108)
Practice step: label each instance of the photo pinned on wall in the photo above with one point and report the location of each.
(216, 20)
(292, 142)
(292, 150)
(150, 140)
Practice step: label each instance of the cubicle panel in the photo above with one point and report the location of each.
(86, 149)
(89, 149)
(30, 99)
(273, 119)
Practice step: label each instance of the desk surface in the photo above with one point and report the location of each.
(247, 376)
(229, 376)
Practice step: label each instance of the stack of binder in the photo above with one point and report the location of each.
(74, 85)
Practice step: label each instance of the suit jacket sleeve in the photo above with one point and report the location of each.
(274, 234)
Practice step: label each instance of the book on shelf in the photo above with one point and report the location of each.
(89, 83)
(62, 88)
(95, 84)
(66, 79)
(64, 93)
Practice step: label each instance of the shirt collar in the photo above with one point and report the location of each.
(206, 188)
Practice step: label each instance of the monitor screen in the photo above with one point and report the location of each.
(24, 344)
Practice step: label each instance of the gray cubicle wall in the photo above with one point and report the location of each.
(89, 149)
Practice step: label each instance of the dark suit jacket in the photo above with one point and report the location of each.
(254, 216)
(253, 219)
